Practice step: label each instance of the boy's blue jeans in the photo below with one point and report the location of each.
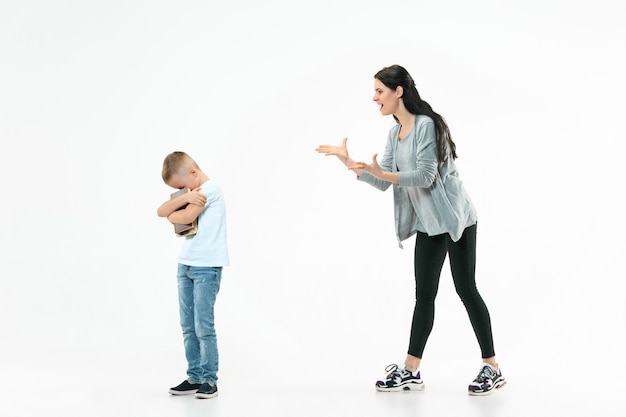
(197, 290)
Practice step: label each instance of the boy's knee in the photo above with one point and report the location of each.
(204, 331)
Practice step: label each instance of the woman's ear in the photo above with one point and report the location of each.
(399, 91)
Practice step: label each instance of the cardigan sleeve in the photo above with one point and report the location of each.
(386, 164)
(426, 158)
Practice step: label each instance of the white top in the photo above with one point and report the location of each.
(208, 247)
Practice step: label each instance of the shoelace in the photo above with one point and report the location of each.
(485, 374)
(392, 370)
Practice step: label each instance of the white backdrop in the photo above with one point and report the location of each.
(93, 95)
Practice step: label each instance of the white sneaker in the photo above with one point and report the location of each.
(400, 380)
(488, 379)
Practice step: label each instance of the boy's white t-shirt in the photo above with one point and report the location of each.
(208, 247)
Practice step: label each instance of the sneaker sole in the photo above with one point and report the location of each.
(498, 385)
(408, 387)
(206, 396)
(189, 392)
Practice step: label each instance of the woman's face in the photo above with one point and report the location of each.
(385, 97)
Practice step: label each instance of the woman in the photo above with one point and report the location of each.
(430, 201)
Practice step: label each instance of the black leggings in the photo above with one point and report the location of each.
(430, 253)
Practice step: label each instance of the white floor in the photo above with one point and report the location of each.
(103, 386)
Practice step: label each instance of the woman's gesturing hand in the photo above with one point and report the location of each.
(340, 152)
(372, 168)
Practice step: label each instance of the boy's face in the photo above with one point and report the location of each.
(189, 180)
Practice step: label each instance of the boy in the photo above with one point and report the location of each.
(199, 268)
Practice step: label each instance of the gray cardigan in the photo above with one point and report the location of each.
(430, 197)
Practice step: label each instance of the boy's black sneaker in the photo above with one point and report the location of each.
(400, 380)
(207, 391)
(488, 379)
(185, 388)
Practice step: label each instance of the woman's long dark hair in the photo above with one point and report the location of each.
(396, 76)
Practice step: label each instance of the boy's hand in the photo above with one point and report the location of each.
(195, 197)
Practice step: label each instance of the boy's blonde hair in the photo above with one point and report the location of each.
(176, 163)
